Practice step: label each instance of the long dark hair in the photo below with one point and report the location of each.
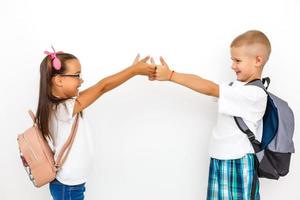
(46, 98)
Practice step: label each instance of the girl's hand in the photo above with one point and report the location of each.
(141, 67)
(163, 73)
(152, 78)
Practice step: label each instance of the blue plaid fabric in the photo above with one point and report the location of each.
(232, 179)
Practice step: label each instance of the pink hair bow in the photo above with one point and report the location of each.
(55, 61)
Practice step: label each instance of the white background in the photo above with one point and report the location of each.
(151, 138)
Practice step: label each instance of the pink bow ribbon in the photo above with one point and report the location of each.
(55, 61)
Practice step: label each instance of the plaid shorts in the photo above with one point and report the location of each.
(233, 179)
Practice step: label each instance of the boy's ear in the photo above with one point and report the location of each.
(259, 61)
(57, 81)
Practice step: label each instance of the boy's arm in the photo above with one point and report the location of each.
(88, 96)
(191, 81)
(196, 83)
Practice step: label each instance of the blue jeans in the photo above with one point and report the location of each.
(59, 191)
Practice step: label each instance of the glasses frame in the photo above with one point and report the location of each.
(79, 76)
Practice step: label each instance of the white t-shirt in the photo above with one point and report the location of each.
(249, 102)
(78, 163)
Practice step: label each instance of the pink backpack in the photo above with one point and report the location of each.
(37, 156)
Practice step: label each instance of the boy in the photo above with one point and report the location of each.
(232, 172)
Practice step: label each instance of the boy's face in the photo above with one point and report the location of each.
(244, 64)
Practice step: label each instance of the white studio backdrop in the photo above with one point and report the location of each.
(151, 138)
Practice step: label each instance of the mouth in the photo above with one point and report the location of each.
(237, 72)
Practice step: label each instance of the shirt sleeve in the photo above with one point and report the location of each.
(248, 102)
(65, 110)
(70, 103)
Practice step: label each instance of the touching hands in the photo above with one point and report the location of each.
(141, 67)
(160, 72)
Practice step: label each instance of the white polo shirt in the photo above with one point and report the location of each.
(249, 102)
(77, 166)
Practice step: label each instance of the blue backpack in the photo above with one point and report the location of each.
(274, 151)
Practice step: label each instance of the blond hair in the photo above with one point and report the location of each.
(253, 37)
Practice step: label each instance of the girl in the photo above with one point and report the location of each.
(59, 101)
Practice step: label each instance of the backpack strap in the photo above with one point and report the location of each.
(268, 80)
(63, 154)
(244, 128)
(241, 123)
(260, 83)
(65, 150)
(32, 116)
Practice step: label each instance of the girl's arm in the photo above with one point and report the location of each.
(88, 96)
(191, 81)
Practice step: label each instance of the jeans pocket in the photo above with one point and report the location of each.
(76, 192)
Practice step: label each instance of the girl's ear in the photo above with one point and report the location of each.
(57, 81)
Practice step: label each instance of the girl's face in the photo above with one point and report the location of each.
(244, 64)
(70, 81)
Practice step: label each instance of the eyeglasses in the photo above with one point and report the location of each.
(79, 76)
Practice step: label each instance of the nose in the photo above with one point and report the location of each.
(233, 66)
(81, 81)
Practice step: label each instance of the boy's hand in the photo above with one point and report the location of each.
(163, 72)
(141, 67)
